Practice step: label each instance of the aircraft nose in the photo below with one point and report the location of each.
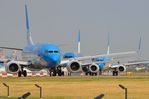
(55, 59)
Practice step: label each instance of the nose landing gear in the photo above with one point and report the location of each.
(56, 71)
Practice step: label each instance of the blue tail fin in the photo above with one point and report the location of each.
(29, 38)
(139, 47)
(79, 44)
(108, 50)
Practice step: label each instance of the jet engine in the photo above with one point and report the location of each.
(74, 66)
(94, 68)
(122, 68)
(12, 67)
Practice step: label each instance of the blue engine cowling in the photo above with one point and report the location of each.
(103, 59)
(69, 55)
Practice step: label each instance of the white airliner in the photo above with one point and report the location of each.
(49, 57)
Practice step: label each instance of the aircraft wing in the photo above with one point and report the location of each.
(3, 60)
(12, 48)
(135, 63)
(128, 64)
(82, 60)
(102, 55)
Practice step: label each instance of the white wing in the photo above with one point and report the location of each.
(102, 55)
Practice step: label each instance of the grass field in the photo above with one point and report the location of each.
(76, 87)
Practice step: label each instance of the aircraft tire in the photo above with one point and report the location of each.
(59, 74)
(54, 73)
(62, 73)
(86, 73)
(24, 73)
(95, 74)
(19, 74)
(115, 73)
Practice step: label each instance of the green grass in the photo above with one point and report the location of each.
(76, 87)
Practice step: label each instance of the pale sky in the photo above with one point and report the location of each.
(58, 21)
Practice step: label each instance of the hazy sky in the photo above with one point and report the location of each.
(58, 21)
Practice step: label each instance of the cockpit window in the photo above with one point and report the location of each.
(52, 51)
(49, 52)
(55, 51)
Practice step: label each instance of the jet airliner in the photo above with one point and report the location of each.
(50, 53)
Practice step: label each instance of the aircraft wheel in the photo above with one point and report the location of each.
(59, 73)
(95, 74)
(86, 73)
(115, 73)
(62, 73)
(19, 74)
(54, 73)
(24, 73)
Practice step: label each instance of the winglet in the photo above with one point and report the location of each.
(29, 39)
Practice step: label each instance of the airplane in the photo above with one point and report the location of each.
(48, 56)
(49, 53)
(70, 54)
(121, 67)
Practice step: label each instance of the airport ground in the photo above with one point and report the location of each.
(77, 87)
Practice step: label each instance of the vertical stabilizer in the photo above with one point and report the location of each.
(108, 50)
(139, 47)
(29, 38)
(79, 44)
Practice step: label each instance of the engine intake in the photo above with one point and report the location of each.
(94, 68)
(122, 68)
(12, 67)
(74, 66)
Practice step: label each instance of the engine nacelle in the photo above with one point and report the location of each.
(94, 68)
(122, 68)
(74, 66)
(12, 67)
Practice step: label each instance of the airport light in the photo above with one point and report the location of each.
(121, 86)
(7, 89)
(99, 96)
(24, 96)
(40, 90)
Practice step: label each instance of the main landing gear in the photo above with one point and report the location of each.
(22, 72)
(115, 72)
(56, 71)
